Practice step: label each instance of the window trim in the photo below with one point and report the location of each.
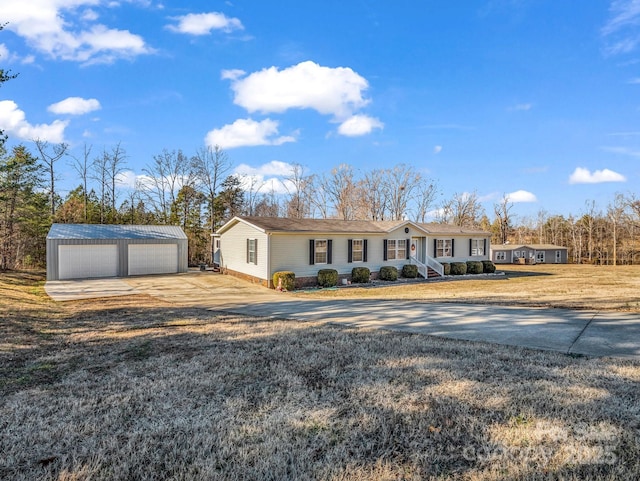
(443, 249)
(355, 251)
(392, 246)
(316, 251)
(480, 244)
(252, 251)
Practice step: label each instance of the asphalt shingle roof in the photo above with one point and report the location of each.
(281, 224)
(539, 247)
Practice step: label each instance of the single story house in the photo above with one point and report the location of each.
(529, 254)
(254, 248)
(81, 251)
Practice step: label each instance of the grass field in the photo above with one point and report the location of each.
(134, 388)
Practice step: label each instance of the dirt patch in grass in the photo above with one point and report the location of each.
(133, 388)
(546, 285)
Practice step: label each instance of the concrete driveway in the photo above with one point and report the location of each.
(593, 333)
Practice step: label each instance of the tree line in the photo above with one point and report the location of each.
(200, 193)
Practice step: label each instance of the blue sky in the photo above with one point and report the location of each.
(536, 99)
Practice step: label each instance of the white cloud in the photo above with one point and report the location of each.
(624, 13)
(232, 74)
(621, 28)
(307, 85)
(273, 168)
(266, 178)
(74, 106)
(63, 30)
(584, 176)
(247, 132)
(13, 122)
(357, 125)
(203, 23)
(437, 149)
(521, 196)
(622, 151)
(521, 107)
(128, 178)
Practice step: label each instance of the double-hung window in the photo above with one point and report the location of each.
(396, 249)
(443, 248)
(357, 250)
(500, 256)
(391, 249)
(320, 251)
(252, 254)
(401, 249)
(477, 247)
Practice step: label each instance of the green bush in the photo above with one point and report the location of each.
(360, 275)
(388, 273)
(488, 267)
(458, 268)
(446, 268)
(327, 277)
(409, 271)
(474, 267)
(288, 280)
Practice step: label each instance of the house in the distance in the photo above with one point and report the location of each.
(254, 248)
(528, 254)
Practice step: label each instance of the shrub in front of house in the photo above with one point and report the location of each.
(488, 267)
(327, 277)
(388, 273)
(446, 268)
(285, 279)
(410, 271)
(474, 267)
(458, 268)
(360, 275)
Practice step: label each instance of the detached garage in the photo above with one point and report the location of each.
(82, 251)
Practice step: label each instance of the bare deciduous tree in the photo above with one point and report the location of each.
(374, 201)
(115, 166)
(82, 167)
(340, 188)
(211, 165)
(169, 171)
(463, 210)
(502, 211)
(400, 183)
(49, 155)
(425, 195)
(298, 186)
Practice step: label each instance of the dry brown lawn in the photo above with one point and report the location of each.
(549, 285)
(133, 388)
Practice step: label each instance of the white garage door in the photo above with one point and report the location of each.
(153, 259)
(84, 261)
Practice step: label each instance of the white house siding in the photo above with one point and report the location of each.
(290, 252)
(233, 249)
(460, 248)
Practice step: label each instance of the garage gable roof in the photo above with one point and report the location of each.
(108, 231)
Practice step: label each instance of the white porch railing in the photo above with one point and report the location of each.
(431, 263)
